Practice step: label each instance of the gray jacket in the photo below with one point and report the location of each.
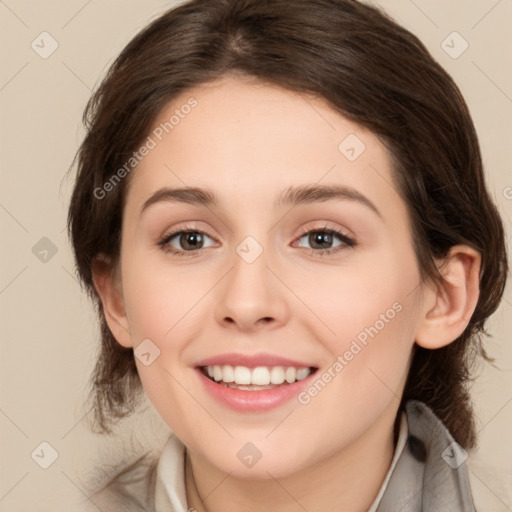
(431, 473)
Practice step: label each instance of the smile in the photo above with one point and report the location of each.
(257, 389)
(261, 377)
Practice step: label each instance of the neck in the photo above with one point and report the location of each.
(349, 479)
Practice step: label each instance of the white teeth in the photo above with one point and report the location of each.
(290, 374)
(242, 375)
(302, 373)
(277, 375)
(259, 376)
(217, 373)
(228, 373)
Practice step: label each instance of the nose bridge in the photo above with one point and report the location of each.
(250, 275)
(251, 292)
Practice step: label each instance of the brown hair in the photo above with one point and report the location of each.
(367, 68)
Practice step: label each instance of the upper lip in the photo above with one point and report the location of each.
(252, 361)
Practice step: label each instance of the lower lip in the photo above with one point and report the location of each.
(254, 401)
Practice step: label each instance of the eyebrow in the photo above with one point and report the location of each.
(292, 196)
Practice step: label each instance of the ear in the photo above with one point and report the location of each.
(448, 306)
(107, 281)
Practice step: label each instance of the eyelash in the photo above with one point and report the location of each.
(347, 242)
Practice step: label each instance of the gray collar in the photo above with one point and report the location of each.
(431, 473)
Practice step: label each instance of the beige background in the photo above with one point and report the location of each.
(48, 330)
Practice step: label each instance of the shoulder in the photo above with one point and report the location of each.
(488, 485)
(123, 486)
(430, 473)
(490, 488)
(129, 477)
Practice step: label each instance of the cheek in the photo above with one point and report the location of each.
(369, 313)
(367, 362)
(164, 306)
(160, 307)
(367, 293)
(159, 303)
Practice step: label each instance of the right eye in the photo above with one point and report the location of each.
(189, 239)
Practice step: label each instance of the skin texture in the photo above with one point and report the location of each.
(248, 142)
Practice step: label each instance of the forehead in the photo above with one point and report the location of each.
(244, 138)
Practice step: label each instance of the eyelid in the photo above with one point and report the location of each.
(327, 227)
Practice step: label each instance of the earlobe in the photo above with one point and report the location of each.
(108, 285)
(449, 305)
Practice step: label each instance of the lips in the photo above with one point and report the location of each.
(252, 361)
(238, 369)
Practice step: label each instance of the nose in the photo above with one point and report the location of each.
(252, 297)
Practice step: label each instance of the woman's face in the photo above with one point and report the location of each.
(251, 278)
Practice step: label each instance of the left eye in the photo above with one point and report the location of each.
(321, 237)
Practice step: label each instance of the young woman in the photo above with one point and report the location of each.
(281, 215)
